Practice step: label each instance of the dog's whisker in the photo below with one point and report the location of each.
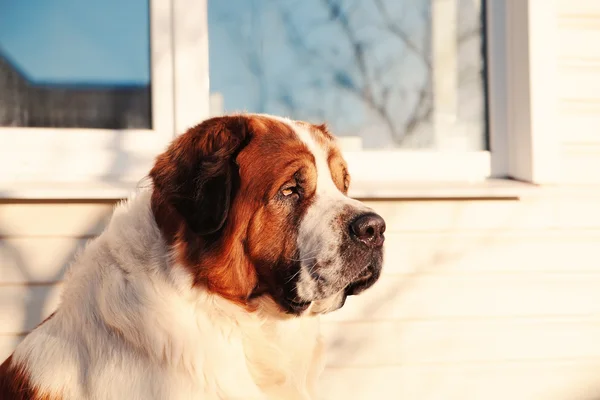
(311, 269)
(293, 276)
(308, 256)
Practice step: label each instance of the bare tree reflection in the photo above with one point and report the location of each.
(328, 59)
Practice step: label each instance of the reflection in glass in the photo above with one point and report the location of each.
(75, 63)
(396, 73)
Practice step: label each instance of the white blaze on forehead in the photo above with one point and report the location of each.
(325, 184)
(319, 238)
(316, 235)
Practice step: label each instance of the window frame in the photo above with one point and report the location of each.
(523, 90)
(37, 155)
(521, 96)
(521, 113)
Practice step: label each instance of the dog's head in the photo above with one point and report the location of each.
(256, 206)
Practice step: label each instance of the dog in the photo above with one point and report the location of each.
(209, 282)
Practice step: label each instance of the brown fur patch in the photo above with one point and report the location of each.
(337, 164)
(16, 385)
(339, 170)
(257, 240)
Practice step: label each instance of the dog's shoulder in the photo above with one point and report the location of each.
(15, 383)
(24, 375)
(130, 326)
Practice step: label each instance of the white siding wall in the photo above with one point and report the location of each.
(480, 300)
(579, 89)
(37, 241)
(492, 299)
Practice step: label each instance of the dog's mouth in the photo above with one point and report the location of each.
(364, 280)
(294, 306)
(325, 287)
(364, 275)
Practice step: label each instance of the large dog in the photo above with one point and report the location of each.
(209, 283)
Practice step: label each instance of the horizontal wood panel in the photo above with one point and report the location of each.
(465, 296)
(579, 82)
(537, 380)
(425, 216)
(559, 211)
(580, 163)
(36, 259)
(84, 220)
(578, 7)
(580, 22)
(53, 219)
(576, 108)
(581, 169)
(580, 127)
(364, 344)
(394, 298)
(576, 42)
(549, 380)
(493, 251)
(44, 259)
(22, 307)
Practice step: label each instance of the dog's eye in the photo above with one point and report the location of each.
(288, 191)
(292, 189)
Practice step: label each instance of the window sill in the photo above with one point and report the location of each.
(115, 190)
(100, 190)
(485, 189)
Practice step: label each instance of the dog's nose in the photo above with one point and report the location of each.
(369, 229)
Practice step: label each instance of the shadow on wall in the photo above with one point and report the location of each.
(39, 292)
(348, 350)
(394, 338)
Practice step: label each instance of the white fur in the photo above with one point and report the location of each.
(130, 326)
(319, 237)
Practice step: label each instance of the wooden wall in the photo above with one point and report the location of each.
(480, 299)
(579, 89)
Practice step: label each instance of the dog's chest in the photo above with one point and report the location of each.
(268, 362)
(232, 354)
(267, 359)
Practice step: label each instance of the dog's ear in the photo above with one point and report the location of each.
(198, 176)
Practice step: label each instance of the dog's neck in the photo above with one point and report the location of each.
(132, 289)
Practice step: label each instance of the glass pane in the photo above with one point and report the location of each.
(75, 63)
(394, 73)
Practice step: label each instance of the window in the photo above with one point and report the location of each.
(396, 79)
(388, 73)
(86, 90)
(418, 90)
(60, 67)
